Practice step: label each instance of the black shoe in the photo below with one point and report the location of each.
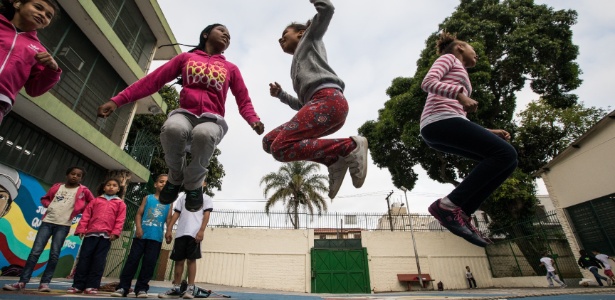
(183, 286)
(194, 199)
(169, 193)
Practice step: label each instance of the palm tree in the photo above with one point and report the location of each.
(296, 185)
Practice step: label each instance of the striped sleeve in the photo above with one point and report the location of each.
(433, 84)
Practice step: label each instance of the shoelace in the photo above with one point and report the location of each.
(473, 228)
(459, 216)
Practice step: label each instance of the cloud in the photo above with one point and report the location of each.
(369, 43)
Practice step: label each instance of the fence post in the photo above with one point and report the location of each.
(515, 256)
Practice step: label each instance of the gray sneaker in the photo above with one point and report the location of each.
(189, 294)
(172, 293)
(119, 293)
(357, 161)
(337, 172)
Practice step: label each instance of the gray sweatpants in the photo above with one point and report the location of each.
(180, 130)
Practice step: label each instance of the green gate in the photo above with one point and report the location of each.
(340, 271)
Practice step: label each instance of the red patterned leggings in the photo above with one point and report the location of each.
(298, 139)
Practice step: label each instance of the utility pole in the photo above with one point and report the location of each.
(416, 255)
(389, 210)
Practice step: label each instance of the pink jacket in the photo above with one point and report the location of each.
(18, 67)
(82, 198)
(103, 215)
(206, 80)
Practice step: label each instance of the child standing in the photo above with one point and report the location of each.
(470, 277)
(321, 106)
(63, 201)
(25, 62)
(101, 223)
(444, 127)
(150, 220)
(188, 237)
(548, 263)
(199, 122)
(605, 261)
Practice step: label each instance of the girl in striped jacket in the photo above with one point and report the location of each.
(444, 127)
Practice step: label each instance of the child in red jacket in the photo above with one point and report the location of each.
(63, 202)
(101, 223)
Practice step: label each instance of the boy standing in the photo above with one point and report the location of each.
(605, 261)
(470, 277)
(188, 237)
(63, 202)
(548, 262)
(146, 244)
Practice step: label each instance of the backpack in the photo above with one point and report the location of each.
(12, 270)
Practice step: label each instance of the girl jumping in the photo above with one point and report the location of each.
(101, 223)
(199, 121)
(321, 106)
(24, 62)
(444, 127)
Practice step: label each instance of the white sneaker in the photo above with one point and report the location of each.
(119, 293)
(189, 294)
(357, 161)
(142, 294)
(564, 285)
(337, 172)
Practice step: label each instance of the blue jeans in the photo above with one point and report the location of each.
(58, 234)
(141, 248)
(594, 271)
(496, 158)
(91, 263)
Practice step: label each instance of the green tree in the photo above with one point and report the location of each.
(516, 41)
(545, 131)
(298, 187)
(150, 126)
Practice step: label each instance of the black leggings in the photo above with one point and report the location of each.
(497, 158)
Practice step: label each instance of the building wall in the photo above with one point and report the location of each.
(585, 173)
(581, 175)
(280, 259)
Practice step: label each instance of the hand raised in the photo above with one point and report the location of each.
(275, 89)
(106, 109)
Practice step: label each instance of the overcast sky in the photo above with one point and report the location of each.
(368, 44)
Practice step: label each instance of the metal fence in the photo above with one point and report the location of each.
(362, 221)
(517, 249)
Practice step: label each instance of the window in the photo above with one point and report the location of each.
(130, 26)
(594, 223)
(88, 80)
(25, 147)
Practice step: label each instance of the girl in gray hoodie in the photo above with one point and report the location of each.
(320, 104)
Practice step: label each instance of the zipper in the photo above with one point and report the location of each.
(10, 51)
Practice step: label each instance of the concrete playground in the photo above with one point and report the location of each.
(572, 293)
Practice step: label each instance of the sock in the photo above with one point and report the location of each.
(447, 203)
